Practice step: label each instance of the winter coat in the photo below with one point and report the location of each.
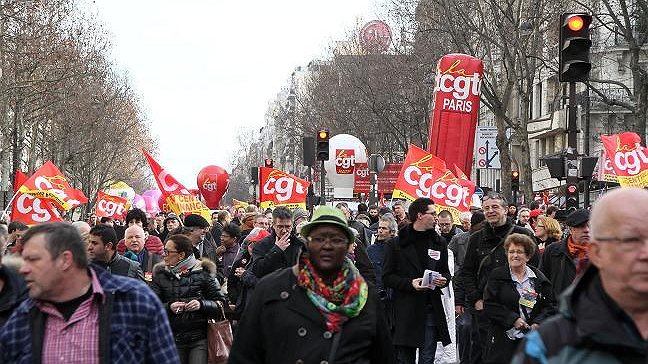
(558, 266)
(14, 292)
(239, 288)
(282, 325)
(268, 258)
(481, 259)
(200, 284)
(459, 245)
(124, 267)
(152, 243)
(591, 328)
(501, 307)
(402, 265)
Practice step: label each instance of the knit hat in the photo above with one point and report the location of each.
(299, 214)
(535, 213)
(194, 220)
(328, 215)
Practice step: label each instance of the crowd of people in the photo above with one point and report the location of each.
(342, 286)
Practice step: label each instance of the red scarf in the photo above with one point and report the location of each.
(579, 253)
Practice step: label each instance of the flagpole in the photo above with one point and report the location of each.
(9, 204)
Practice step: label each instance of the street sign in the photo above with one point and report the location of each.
(479, 192)
(487, 154)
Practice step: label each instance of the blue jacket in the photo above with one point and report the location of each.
(133, 327)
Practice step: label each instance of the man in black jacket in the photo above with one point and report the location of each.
(485, 253)
(13, 289)
(419, 318)
(102, 250)
(280, 249)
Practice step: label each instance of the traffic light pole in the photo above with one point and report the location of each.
(572, 144)
(322, 184)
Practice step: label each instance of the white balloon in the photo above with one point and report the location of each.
(345, 152)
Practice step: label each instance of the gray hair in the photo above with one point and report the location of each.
(389, 218)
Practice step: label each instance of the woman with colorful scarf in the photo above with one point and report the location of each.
(320, 310)
(189, 290)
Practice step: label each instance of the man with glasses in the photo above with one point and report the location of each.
(604, 314)
(562, 262)
(486, 252)
(280, 249)
(419, 318)
(446, 225)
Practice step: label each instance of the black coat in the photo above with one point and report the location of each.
(558, 266)
(239, 288)
(402, 265)
(501, 306)
(268, 258)
(480, 244)
(197, 284)
(15, 290)
(281, 325)
(123, 267)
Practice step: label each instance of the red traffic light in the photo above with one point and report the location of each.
(571, 189)
(323, 134)
(575, 23)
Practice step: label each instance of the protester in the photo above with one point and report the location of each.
(79, 313)
(241, 280)
(512, 212)
(464, 219)
(223, 218)
(420, 320)
(486, 252)
(517, 299)
(280, 249)
(229, 247)
(547, 231)
(152, 243)
(16, 230)
(562, 262)
(387, 229)
(446, 225)
(373, 213)
(320, 310)
(524, 214)
(188, 289)
(102, 250)
(13, 289)
(399, 213)
(136, 251)
(171, 223)
(83, 228)
(466, 321)
(603, 316)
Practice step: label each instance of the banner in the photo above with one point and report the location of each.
(456, 109)
(281, 189)
(425, 175)
(48, 183)
(177, 197)
(28, 209)
(629, 159)
(110, 206)
(604, 171)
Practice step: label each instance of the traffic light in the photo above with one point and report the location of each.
(515, 181)
(269, 163)
(571, 194)
(574, 63)
(323, 145)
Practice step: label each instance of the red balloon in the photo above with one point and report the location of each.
(212, 182)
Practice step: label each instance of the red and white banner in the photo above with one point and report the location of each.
(28, 209)
(48, 183)
(281, 189)
(456, 109)
(627, 157)
(177, 197)
(425, 175)
(110, 206)
(345, 161)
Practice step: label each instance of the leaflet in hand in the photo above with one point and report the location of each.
(428, 277)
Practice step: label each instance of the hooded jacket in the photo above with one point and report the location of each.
(591, 328)
(198, 283)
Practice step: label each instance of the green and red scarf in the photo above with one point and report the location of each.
(343, 300)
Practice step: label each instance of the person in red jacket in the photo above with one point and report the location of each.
(153, 244)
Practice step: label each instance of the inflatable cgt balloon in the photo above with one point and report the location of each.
(212, 182)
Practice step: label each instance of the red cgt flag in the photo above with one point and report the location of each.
(281, 189)
(110, 206)
(48, 183)
(28, 209)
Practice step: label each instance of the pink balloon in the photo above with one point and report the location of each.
(151, 200)
(138, 202)
(212, 182)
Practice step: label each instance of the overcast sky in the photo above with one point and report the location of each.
(205, 68)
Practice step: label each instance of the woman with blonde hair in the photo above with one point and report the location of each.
(547, 231)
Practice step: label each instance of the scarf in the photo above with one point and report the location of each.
(343, 300)
(578, 253)
(183, 266)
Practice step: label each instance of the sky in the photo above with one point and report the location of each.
(203, 69)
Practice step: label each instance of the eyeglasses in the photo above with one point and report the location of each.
(334, 240)
(167, 251)
(445, 224)
(282, 226)
(630, 244)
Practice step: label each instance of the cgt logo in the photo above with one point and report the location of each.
(345, 161)
(451, 194)
(28, 204)
(632, 161)
(282, 188)
(209, 185)
(111, 208)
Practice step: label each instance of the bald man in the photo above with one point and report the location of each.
(134, 239)
(604, 314)
(83, 228)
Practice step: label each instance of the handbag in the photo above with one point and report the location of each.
(219, 339)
